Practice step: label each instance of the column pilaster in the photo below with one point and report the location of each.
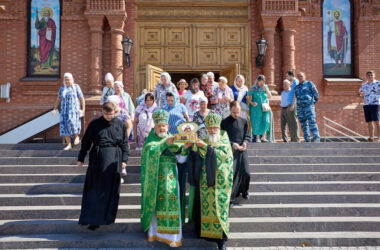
(288, 44)
(117, 33)
(269, 29)
(96, 31)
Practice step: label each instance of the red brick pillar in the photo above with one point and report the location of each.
(117, 54)
(269, 25)
(96, 30)
(288, 44)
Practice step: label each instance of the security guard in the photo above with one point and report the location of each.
(307, 95)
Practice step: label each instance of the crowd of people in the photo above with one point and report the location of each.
(215, 166)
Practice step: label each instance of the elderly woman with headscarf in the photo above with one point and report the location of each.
(177, 112)
(207, 89)
(108, 90)
(240, 93)
(261, 120)
(126, 102)
(222, 97)
(143, 122)
(165, 85)
(193, 97)
(199, 117)
(70, 98)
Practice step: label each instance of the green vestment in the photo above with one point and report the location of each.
(159, 185)
(215, 200)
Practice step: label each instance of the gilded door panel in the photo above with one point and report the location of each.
(152, 76)
(141, 82)
(151, 36)
(177, 36)
(208, 56)
(233, 55)
(152, 56)
(177, 56)
(233, 36)
(230, 73)
(207, 36)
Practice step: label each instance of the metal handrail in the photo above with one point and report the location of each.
(325, 120)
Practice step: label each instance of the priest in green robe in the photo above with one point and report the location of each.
(211, 178)
(160, 201)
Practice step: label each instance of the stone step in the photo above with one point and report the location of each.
(255, 198)
(243, 224)
(251, 239)
(279, 186)
(252, 159)
(315, 167)
(242, 210)
(255, 177)
(291, 145)
(73, 169)
(252, 152)
(94, 240)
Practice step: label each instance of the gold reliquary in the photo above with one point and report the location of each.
(187, 133)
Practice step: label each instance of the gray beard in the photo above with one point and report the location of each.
(162, 135)
(46, 18)
(213, 138)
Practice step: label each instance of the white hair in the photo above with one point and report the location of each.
(286, 81)
(210, 74)
(239, 76)
(114, 99)
(109, 77)
(119, 83)
(222, 78)
(68, 75)
(203, 99)
(167, 75)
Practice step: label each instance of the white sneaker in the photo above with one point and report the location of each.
(76, 141)
(68, 147)
(121, 180)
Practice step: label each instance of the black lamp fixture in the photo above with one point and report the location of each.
(262, 46)
(127, 46)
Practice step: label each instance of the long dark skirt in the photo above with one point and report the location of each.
(241, 174)
(101, 190)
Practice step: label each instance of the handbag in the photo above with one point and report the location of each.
(265, 106)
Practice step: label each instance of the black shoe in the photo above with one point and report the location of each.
(222, 245)
(92, 227)
(245, 196)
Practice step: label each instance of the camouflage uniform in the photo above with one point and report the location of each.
(307, 95)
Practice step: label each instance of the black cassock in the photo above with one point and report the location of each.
(238, 132)
(109, 148)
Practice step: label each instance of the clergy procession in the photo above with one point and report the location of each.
(191, 142)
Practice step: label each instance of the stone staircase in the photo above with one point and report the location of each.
(301, 194)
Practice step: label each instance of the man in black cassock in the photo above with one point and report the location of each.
(108, 140)
(238, 132)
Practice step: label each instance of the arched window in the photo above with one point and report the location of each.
(337, 38)
(44, 38)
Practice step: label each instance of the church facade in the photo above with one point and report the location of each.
(335, 42)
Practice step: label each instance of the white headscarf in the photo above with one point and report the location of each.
(109, 77)
(203, 99)
(224, 79)
(167, 75)
(64, 92)
(119, 83)
(242, 90)
(114, 99)
(68, 75)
